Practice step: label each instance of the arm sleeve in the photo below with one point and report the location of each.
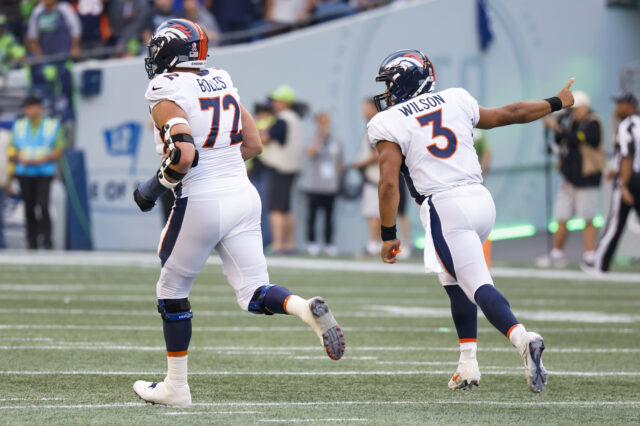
(624, 138)
(378, 130)
(71, 18)
(470, 105)
(32, 27)
(166, 88)
(278, 131)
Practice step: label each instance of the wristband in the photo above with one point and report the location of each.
(555, 102)
(388, 233)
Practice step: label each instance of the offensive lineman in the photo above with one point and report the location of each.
(429, 137)
(206, 135)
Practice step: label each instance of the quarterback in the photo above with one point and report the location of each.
(429, 137)
(205, 134)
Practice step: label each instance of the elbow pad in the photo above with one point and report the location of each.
(170, 140)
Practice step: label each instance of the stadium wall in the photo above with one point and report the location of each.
(537, 46)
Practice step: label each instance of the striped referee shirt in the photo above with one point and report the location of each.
(628, 140)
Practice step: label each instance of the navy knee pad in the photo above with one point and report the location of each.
(172, 310)
(269, 300)
(256, 305)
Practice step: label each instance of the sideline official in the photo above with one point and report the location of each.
(626, 190)
(39, 143)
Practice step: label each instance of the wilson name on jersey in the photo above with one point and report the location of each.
(435, 134)
(212, 106)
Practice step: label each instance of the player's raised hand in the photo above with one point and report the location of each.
(565, 94)
(389, 250)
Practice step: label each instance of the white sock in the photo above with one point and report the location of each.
(296, 305)
(468, 351)
(556, 253)
(516, 333)
(589, 256)
(177, 369)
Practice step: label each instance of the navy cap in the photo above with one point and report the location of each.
(32, 100)
(627, 97)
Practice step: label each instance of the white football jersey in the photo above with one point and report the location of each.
(212, 106)
(435, 133)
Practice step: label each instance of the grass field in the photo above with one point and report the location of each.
(75, 338)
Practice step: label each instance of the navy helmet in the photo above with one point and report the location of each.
(176, 43)
(407, 73)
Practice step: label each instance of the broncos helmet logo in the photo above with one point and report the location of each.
(182, 28)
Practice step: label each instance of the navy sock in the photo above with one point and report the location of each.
(464, 313)
(496, 308)
(177, 335)
(275, 297)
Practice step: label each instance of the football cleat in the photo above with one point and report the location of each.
(531, 348)
(466, 376)
(163, 393)
(326, 327)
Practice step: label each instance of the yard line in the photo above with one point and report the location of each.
(16, 257)
(99, 346)
(261, 329)
(513, 372)
(191, 413)
(515, 404)
(378, 311)
(336, 419)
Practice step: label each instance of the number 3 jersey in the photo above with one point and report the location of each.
(435, 134)
(212, 106)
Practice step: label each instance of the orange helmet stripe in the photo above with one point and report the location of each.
(202, 51)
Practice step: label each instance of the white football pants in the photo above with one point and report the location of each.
(228, 222)
(460, 220)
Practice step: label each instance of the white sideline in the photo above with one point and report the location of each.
(302, 328)
(146, 259)
(101, 346)
(585, 404)
(513, 372)
(378, 311)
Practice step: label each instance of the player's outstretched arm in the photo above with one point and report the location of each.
(251, 141)
(389, 196)
(525, 111)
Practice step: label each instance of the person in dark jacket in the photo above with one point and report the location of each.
(582, 159)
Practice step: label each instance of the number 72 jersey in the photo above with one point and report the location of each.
(212, 106)
(435, 134)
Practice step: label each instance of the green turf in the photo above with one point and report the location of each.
(87, 329)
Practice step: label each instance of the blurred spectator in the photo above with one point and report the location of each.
(288, 11)
(13, 17)
(90, 13)
(232, 15)
(5, 178)
(582, 160)
(325, 10)
(368, 163)
(481, 145)
(161, 11)
(405, 225)
(626, 190)
(54, 28)
(282, 154)
(194, 12)
(39, 142)
(126, 22)
(321, 183)
(54, 31)
(11, 51)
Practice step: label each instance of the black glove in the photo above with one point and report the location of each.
(144, 204)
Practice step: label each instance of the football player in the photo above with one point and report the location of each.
(429, 137)
(205, 135)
